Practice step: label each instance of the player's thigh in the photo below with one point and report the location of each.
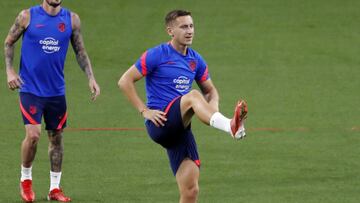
(31, 107)
(169, 134)
(184, 148)
(186, 110)
(55, 113)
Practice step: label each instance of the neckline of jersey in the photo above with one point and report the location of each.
(172, 48)
(43, 11)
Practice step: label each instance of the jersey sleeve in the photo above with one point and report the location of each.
(202, 72)
(148, 61)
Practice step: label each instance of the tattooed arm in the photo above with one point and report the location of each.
(81, 55)
(16, 30)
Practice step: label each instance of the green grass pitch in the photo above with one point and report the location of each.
(295, 62)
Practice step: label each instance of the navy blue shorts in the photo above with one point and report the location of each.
(177, 140)
(52, 108)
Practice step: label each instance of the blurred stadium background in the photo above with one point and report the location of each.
(295, 62)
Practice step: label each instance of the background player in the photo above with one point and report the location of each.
(46, 30)
(170, 70)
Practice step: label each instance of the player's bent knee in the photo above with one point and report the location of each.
(195, 93)
(33, 134)
(192, 192)
(192, 96)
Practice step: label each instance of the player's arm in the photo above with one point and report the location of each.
(82, 57)
(16, 30)
(127, 85)
(210, 93)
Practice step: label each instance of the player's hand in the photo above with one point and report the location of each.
(156, 116)
(94, 88)
(13, 79)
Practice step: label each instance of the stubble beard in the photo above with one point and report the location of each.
(52, 4)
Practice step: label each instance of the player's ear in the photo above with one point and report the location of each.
(169, 30)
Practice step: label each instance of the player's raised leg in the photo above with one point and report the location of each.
(56, 150)
(187, 178)
(28, 151)
(195, 103)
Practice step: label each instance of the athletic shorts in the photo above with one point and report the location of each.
(178, 141)
(33, 108)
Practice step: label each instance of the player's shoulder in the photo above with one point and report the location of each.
(24, 17)
(74, 14)
(25, 12)
(194, 53)
(75, 20)
(159, 49)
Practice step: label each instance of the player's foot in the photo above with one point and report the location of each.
(57, 195)
(26, 192)
(237, 122)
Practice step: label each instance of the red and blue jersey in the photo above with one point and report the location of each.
(170, 74)
(43, 53)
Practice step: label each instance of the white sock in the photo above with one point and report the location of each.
(26, 173)
(55, 180)
(220, 122)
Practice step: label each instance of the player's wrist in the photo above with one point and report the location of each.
(142, 111)
(9, 69)
(91, 78)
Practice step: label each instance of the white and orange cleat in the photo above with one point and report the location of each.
(237, 122)
(58, 195)
(26, 192)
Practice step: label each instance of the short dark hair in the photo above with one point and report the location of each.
(172, 15)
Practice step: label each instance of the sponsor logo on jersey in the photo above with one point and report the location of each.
(182, 83)
(49, 45)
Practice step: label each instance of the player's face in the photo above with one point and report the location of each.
(54, 3)
(182, 30)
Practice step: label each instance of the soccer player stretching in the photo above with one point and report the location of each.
(46, 30)
(170, 70)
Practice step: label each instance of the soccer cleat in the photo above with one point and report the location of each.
(26, 192)
(237, 122)
(57, 195)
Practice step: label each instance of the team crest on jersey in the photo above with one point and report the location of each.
(33, 110)
(192, 65)
(61, 27)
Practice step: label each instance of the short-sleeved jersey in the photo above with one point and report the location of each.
(43, 52)
(170, 74)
